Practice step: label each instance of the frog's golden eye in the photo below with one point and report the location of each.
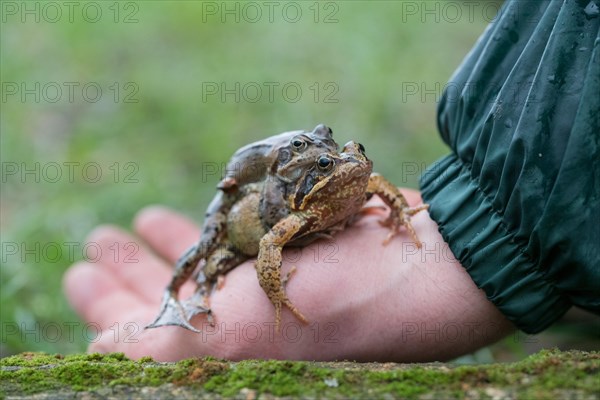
(325, 163)
(298, 144)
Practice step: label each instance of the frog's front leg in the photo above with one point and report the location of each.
(400, 211)
(212, 276)
(268, 265)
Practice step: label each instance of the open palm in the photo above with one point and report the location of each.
(364, 301)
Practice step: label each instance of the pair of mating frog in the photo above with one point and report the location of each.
(287, 190)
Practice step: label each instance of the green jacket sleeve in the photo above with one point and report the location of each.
(518, 199)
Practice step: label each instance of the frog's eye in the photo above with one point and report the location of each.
(325, 163)
(361, 148)
(298, 144)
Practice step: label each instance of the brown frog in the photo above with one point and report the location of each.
(329, 196)
(251, 198)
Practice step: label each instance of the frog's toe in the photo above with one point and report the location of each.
(172, 313)
(413, 210)
(287, 277)
(413, 234)
(375, 210)
(388, 222)
(393, 222)
(295, 311)
(195, 305)
(395, 229)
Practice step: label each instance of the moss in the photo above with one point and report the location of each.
(278, 378)
(540, 376)
(408, 383)
(29, 359)
(38, 372)
(547, 374)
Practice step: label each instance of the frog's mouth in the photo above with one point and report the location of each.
(295, 169)
(290, 177)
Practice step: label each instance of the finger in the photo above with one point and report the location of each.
(98, 297)
(131, 263)
(84, 284)
(121, 317)
(167, 232)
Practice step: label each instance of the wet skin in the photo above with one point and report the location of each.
(328, 198)
(250, 199)
(303, 189)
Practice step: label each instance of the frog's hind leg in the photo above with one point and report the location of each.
(198, 304)
(171, 311)
(400, 211)
(224, 258)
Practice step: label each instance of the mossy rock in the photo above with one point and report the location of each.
(549, 374)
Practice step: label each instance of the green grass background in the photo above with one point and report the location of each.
(369, 51)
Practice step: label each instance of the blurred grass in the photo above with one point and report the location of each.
(168, 135)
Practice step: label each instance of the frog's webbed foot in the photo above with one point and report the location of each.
(400, 212)
(172, 313)
(171, 310)
(198, 304)
(398, 219)
(280, 299)
(294, 311)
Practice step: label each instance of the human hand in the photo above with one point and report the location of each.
(364, 301)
